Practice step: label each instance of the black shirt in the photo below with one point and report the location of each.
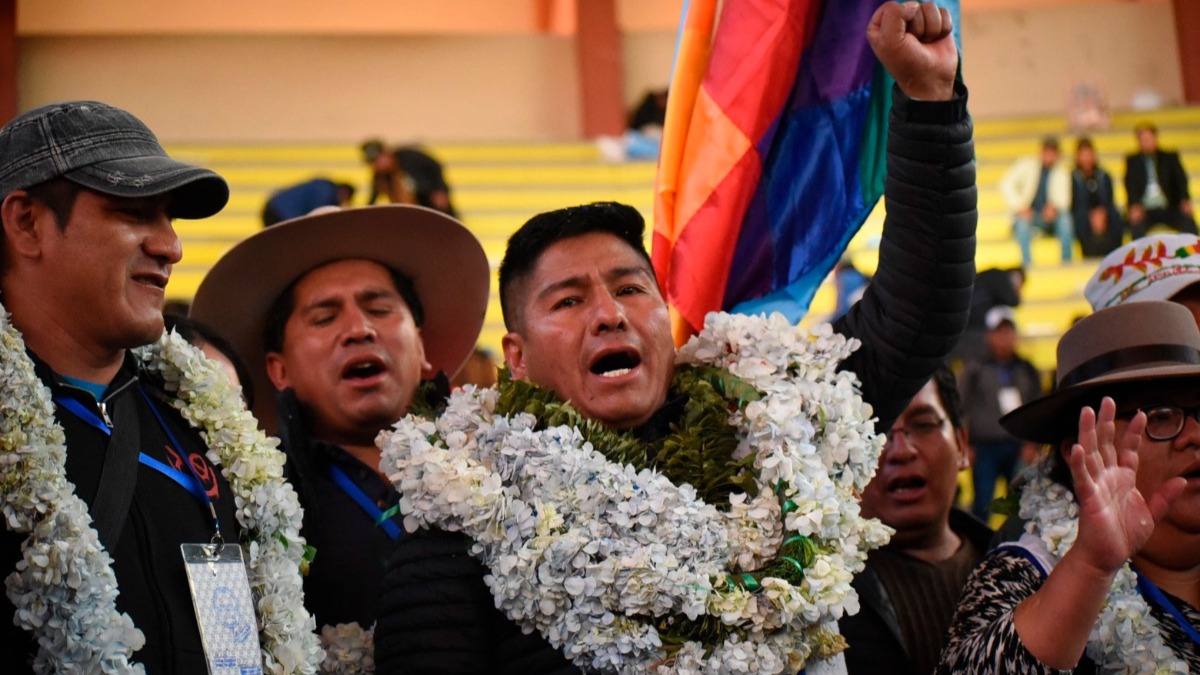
(161, 516)
(345, 579)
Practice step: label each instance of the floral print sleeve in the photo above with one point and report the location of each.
(983, 639)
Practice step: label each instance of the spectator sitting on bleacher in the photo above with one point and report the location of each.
(643, 131)
(1038, 192)
(1157, 267)
(1098, 224)
(1156, 186)
(300, 199)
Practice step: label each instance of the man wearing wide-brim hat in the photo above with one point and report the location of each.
(1111, 546)
(340, 316)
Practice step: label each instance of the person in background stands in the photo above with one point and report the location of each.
(910, 587)
(990, 389)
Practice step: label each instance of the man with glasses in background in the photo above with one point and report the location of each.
(910, 587)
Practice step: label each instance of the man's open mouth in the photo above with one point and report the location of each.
(362, 369)
(909, 483)
(616, 364)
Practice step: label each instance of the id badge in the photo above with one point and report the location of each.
(1010, 399)
(224, 610)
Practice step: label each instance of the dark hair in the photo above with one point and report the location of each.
(371, 149)
(200, 334)
(1147, 126)
(347, 189)
(1050, 142)
(1084, 142)
(281, 309)
(947, 390)
(528, 243)
(59, 195)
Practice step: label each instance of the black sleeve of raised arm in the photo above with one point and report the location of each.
(916, 306)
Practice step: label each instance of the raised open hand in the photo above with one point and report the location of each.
(1115, 519)
(912, 40)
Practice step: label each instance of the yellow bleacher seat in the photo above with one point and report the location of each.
(497, 186)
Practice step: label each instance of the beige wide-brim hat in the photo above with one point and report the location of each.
(1135, 342)
(446, 263)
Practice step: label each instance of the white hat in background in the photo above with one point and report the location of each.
(1151, 268)
(998, 315)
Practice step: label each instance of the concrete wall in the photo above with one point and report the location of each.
(286, 70)
(1024, 60)
(321, 88)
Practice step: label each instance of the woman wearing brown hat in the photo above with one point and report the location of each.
(1106, 577)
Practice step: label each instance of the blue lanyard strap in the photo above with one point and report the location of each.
(364, 502)
(1148, 589)
(83, 412)
(191, 483)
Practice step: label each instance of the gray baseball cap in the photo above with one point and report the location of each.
(104, 149)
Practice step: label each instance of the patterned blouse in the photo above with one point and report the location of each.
(983, 639)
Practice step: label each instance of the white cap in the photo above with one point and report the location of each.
(1151, 268)
(998, 315)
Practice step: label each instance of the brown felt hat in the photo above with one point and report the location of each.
(446, 263)
(1135, 342)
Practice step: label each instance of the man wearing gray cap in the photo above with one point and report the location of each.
(105, 488)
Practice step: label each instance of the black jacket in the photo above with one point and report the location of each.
(437, 616)
(1171, 178)
(876, 641)
(160, 516)
(345, 579)
(919, 299)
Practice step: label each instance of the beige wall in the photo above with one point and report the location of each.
(189, 17)
(276, 88)
(648, 58)
(214, 72)
(1023, 61)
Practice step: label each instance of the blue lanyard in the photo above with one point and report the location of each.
(364, 502)
(1148, 589)
(189, 481)
(178, 476)
(82, 412)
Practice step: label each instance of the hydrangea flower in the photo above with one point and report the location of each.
(64, 589)
(583, 549)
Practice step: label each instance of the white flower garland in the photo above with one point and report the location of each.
(579, 547)
(64, 588)
(1125, 637)
(349, 649)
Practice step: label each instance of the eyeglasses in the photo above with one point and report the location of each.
(1165, 422)
(918, 431)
